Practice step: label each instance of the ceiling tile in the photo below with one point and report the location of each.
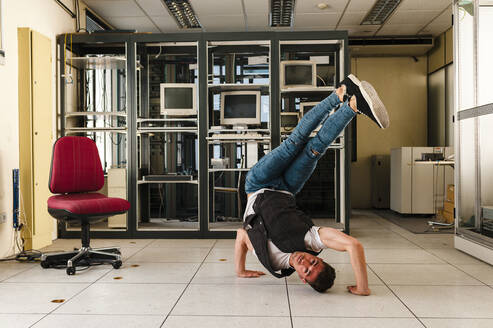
(359, 30)
(310, 6)
(399, 29)
(352, 18)
(316, 28)
(217, 7)
(141, 24)
(225, 23)
(360, 5)
(153, 7)
(256, 7)
(120, 8)
(165, 23)
(412, 17)
(320, 20)
(424, 4)
(440, 24)
(258, 21)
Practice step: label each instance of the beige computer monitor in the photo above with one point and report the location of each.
(240, 107)
(298, 74)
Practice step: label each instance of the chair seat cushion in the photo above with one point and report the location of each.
(88, 204)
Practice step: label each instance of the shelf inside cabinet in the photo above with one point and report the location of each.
(216, 88)
(102, 62)
(307, 89)
(95, 114)
(79, 130)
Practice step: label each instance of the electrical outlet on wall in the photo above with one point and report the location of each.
(3, 217)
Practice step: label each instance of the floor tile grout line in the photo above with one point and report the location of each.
(18, 273)
(73, 296)
(186, 287)
(392, 291)
(431, 253)
(289, 302)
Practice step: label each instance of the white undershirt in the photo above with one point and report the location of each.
(278, 259)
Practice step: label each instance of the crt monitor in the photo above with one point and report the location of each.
(178, 99)
(305, 107)
(289, 121)
(240, 107)
(298, 73)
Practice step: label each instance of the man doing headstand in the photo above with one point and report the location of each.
(282, 237)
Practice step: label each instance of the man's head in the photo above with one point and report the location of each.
(312, 270)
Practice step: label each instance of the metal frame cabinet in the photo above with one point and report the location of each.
(336, 39)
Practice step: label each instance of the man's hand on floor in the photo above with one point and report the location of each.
(250, 274)
(354, 290)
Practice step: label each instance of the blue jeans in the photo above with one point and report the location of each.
(291, 164)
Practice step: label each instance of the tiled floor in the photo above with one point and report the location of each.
(416, 281)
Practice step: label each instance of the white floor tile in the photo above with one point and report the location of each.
(447, 301)
(422, 274)
(391, 241)
(482, 271)
(139, 243)
(338, 302)
(38, 274)
(229, 321)
(19, 320)
(228, 255)
(225, 243)
(332, 256)
(434, 241)
(400, 256)
(152, 273)
(344, 276)
(236, 300)
(183, 243)
(98, 321)
(11, 268)
(35, 298)
(301, 322)
(458, 323)
(156, 254)
(136, 299)
(454, 256)
(224, 273)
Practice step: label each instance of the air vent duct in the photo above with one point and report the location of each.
(381, 47)
(282, 13)
(380, 12)
(183, 13)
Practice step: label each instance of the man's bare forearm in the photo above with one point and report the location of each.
(240, 254)
(357, 256)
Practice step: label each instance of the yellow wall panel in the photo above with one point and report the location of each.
(449, 46)
(35, 134)
(401, 84)
(436, 56)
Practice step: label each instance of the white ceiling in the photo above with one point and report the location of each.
(412, 17)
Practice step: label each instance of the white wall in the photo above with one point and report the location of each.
(48, 18)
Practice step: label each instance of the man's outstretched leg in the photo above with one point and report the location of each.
(364, 100)
(272, 165)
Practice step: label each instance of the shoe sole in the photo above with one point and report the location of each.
(368, 100)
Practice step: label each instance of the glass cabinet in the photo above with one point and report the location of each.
(474, 120)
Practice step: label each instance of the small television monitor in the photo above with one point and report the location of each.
(305, 107)
(298, 73)
(240, 107)
(289, 120)
(178, 99)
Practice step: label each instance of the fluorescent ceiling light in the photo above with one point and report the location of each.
(380, 12)
(281, 13)
(183, 13)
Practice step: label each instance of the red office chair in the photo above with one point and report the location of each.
(75, 174)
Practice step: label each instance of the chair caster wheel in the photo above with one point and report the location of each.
(70, 271)
(117, 264)
(44, 264)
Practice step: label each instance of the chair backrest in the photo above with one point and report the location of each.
(75, 166)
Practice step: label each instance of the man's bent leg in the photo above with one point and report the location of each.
(273, 165)
(303, 166)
